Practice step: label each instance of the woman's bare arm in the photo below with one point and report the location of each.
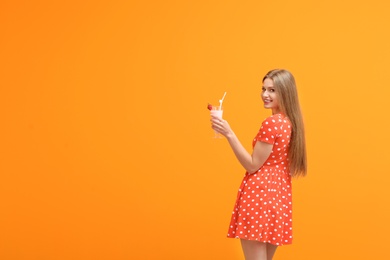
(250, 162)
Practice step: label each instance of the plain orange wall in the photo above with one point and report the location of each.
(106, 146)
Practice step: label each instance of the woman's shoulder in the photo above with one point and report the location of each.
(275, 123)
(273, 119)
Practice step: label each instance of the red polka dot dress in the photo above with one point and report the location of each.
(264, 204)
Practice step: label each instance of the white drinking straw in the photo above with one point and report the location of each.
(221, 100)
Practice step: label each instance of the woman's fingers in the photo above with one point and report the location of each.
(217, 120)
(218, 123)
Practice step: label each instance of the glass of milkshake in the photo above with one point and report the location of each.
(216, 111)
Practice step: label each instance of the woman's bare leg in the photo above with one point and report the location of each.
(271, 249)
(254, 250)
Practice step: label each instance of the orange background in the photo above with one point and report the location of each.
(106, 146)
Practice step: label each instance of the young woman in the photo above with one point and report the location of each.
(262, 215)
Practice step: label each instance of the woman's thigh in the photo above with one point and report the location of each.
(254, 250)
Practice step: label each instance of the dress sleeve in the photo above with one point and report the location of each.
(268, 131)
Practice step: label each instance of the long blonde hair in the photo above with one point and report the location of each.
(284, 84)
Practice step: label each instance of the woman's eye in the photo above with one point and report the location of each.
(272, 90)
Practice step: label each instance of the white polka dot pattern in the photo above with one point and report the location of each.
(263, 209)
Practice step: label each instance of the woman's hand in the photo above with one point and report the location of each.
(221, 126)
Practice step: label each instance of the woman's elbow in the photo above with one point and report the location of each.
(254, 167)
(252, 170)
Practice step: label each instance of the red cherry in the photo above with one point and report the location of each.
(209, 107)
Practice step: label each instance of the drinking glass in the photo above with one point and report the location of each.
(217, 112)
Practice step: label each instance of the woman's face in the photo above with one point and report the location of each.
(270, 96)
